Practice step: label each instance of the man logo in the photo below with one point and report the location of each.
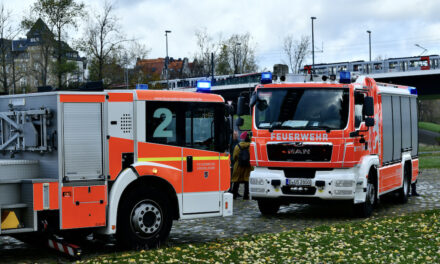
(299, 151)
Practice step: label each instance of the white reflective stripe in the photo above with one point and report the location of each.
(51, 245)
(60, 247)
(147, 163)
(70, 251)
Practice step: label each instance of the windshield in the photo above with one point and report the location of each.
(302, 108)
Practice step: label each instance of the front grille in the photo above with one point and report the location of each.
(292, 152)
(291, 190)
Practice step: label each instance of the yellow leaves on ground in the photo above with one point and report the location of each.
(406, 239)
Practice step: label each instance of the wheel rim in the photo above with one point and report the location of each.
(370, 193)
(146, 218)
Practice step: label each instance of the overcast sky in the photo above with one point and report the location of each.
(340, 27)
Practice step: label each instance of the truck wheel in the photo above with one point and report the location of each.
(403, 192)
(144, 219)
(268, 207)
(365, 209)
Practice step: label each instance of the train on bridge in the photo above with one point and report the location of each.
(419, 71)
(404, 64)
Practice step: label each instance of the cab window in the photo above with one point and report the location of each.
(162, 123)
(200, 128)
(185, 124)
(358, 105)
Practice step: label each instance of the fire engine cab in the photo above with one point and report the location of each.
(125, 162)
(330, 140)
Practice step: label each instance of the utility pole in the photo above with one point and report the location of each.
(166, 58)
(212, 66)
(313, 49)
(369, 41)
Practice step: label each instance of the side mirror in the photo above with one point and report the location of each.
(240, 106)
(239, 122)
(253, 100)
(368, 107)
(369, 121)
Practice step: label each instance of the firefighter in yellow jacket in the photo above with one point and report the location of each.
(242, 167)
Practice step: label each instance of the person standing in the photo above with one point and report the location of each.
(242, 167)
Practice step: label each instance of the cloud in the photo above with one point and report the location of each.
(340, 26)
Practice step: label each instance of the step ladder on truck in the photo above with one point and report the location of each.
(124, 163)
(350, 139)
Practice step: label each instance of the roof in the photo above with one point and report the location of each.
(157, 65)
(151, 65)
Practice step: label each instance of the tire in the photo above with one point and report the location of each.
(144, 219)
(403, 192)
(268, 206)
(365, 209)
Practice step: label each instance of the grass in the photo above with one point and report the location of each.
(247, 125)
(404, 239)
(430, 160)
(429, 97)
(430, 126)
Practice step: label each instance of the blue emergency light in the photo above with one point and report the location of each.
(412, 90)
(266, 77)
(344, 77)
(141, 86)
(203, 86)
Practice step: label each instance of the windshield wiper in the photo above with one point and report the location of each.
(327, 128)
(274, 125)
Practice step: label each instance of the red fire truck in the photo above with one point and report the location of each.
(124, 162)
(329, 140)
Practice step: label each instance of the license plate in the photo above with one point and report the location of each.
(299, 182)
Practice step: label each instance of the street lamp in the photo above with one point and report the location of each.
(313, 48)
(369, 41)
(166, 58)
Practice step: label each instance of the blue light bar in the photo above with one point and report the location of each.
(203, 86)
(266, 77)
(344, 77)
(412, 90)
(141, 86)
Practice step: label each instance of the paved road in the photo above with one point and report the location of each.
(428, 137)
(248, 220)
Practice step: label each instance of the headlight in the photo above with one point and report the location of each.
(344, 183)
(257, 181)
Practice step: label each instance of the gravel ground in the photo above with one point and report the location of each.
(247, 220)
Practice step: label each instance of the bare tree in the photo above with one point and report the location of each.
(206, 46)
(102, 38)
(241, 53)
(296, 51)
(7, 34)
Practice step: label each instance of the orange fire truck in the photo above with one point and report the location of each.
(329, 140)
(125, 162)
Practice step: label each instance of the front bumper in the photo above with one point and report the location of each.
(336, 184)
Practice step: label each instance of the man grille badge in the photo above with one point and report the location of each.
(297, 144)
(206, 174)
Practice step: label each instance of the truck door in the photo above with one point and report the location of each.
(361, 143)
(201, 166)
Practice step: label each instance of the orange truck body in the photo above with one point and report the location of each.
(314, 164)
(101, 144)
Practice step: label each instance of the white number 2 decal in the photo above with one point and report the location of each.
(160, 130)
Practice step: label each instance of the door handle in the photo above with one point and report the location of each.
(189, 163)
